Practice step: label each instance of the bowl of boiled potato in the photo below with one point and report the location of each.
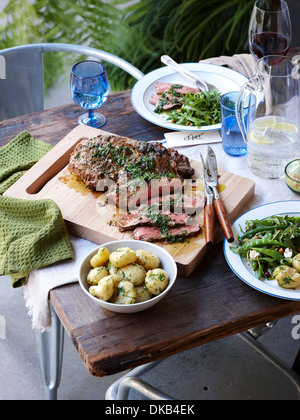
(127, 276)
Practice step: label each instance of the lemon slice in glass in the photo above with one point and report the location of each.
(266, 125)
(284, 126)
(258, 136)
(265, 122)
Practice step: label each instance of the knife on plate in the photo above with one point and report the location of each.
(209, 211)
(212, 182)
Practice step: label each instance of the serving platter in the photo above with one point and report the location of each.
(242, 268)
(225, 80)
(87, 217)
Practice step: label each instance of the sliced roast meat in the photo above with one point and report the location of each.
(164, 103)
(130, 221)
(180, 89)
(178, 202)
(168, 96)
(152, 234)
(135, 194)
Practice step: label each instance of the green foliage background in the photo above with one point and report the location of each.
(187, 30)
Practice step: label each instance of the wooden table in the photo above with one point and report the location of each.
(211, 304)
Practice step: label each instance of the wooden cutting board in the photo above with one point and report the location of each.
(83, 210)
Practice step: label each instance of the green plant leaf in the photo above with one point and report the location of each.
(187, 30)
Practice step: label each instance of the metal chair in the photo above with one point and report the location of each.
(21, 75)
(22, 92)
(236, 368)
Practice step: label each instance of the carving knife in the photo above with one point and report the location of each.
(212, 181)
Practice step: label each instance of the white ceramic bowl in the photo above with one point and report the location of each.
(167, 263)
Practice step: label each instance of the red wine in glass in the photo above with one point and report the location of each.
(270, 28)
(269, 43)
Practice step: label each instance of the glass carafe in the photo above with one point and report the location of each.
(272, 132)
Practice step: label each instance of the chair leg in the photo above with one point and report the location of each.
(142, 387)
(50, 347)
(263, 329)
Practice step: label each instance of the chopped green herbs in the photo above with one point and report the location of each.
(162, 222)
(161, 104)
(143, 168)
(159, 220)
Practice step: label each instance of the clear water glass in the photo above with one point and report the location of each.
(232, 139)
(89, 90)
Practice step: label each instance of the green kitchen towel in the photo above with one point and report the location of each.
(18, 156)
(32, 232)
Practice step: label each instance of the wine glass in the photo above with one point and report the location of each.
(270, 29)
(89, 90)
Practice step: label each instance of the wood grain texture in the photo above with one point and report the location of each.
(87, 216)
(210, 304)
(54, 124)
(224, 219)
(209, 224)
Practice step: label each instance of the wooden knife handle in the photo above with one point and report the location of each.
(209, 223)
(223, 219)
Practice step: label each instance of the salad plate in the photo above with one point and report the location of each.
(241, 267)
(225, 80)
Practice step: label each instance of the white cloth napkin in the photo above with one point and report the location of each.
(43, 280)
(242, 63)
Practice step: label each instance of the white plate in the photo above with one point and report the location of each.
(226, 80)
(242, 269)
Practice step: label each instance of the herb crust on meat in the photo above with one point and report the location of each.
(106, 155)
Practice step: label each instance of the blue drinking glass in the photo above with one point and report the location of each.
(89, 90)
(232, 139)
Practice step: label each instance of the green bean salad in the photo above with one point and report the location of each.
(272, 248)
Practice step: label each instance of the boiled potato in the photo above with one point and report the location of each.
(156, 281)
(134, 273)
(147, 259)
(96, 274)
(122, 256)
(287, 277)
(142, 293)
(105, 289)
(116, 279)
(112, 269)
(100, 258)
(125, 293)
(296, 262)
